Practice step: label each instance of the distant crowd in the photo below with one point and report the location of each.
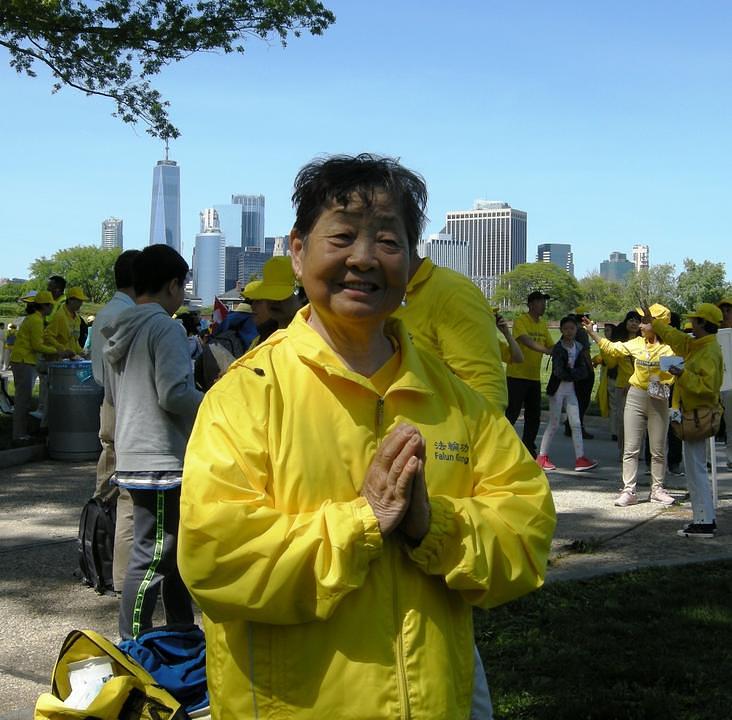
(330, 469)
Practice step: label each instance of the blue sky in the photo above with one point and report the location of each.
(608, 123)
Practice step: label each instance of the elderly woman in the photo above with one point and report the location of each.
(346, 499)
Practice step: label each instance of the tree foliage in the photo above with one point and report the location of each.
(701, 282)
(656, 284)
(85, 266)
(604, 298)
(112, 48)
(515, 286)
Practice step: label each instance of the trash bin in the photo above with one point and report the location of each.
(74, 399)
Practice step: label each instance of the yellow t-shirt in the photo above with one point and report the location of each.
(646, 359)
(538, 331)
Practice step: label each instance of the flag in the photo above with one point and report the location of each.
(220, 312)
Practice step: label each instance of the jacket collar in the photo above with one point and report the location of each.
(313, 350)
(424, 271)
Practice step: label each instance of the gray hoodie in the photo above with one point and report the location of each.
(151, 387)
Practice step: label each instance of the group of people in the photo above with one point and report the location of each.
(339, 483)
(51, 330)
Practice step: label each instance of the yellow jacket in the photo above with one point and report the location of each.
(307, 609)
(63, 331)
(29, 342)
(700, 383)
(447, 315)
(538, 331)
(646, 359)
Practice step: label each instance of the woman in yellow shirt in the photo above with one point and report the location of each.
(29, 344)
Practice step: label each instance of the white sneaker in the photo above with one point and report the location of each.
(626, 498)
(661, 496)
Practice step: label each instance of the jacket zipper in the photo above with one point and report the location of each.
(399, 651)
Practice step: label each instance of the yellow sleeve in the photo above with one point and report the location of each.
(492, 547)
(54, 332)
(614, 350)
(37, 337)
(506, 355)
(242, 556)
(468, 344)
(519, 327)
(678, 340)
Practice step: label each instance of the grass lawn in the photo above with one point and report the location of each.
(645, 645)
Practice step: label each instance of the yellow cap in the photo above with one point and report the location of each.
(707, 312)
(278, 281)
(658, 312)
(42, 297)
(243, 307)
(727, 300)
(581, 310)
(76, 293)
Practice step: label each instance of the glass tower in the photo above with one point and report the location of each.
(165, 206)
(252, 225)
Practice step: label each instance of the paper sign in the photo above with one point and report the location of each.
(671, 360)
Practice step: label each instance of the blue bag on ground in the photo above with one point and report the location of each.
(175, 655)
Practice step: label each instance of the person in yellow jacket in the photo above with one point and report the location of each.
(447, 315)
(524, 379)
(725, 305)
(29, 345)
(646, 406)
(63, 330)
(346, 499)
(698, 383)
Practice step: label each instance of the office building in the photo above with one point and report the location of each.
(165, 206)
(209, 259)
(279, 245)
(112, 233)
(445, 251)
(495, 234)
(559, 254)
(641, 256)
(251, 263)
(617, 268)
(252, 231)
(231, 270)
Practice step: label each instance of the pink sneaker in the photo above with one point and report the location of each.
(584, 463)
(545, 463)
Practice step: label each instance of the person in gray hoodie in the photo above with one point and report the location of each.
(151, 386)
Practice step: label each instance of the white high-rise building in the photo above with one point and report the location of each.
(111, 233)
(445, 251)
(495, 234)
(641, 257)
(209, 259)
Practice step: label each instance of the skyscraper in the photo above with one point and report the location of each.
(231, 272)
(165, 206)
(617, 268)
(445, 251)
(495, 234)
(641, 257)
(209, 259)
(252, 227)
(559, 254)
(111, 233)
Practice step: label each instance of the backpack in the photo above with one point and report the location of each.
(96, 544)
(128, 692)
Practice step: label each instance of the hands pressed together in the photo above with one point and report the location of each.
(395, 486)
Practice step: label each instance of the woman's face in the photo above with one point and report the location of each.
(632, 325)
(354, 263)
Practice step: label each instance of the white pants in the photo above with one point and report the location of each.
(727, 402)
(565, 394)
(697, 480)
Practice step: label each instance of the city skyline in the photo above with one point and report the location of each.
(587, 117)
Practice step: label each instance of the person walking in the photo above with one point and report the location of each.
(583, 387)
(570, 366)
(523, 380)
(697, 386)
(646, 406)
(150, 383)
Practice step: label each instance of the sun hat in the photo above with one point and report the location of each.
(277, 283)
(76, 293)
(707, 312)
(727, 300)
(243, 307)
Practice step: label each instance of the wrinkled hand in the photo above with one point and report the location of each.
(389, 479)
(416, 520)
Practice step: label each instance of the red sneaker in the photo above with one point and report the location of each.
(545, 463)
(584, 463)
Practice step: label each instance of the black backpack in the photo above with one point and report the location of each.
(96, 544)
